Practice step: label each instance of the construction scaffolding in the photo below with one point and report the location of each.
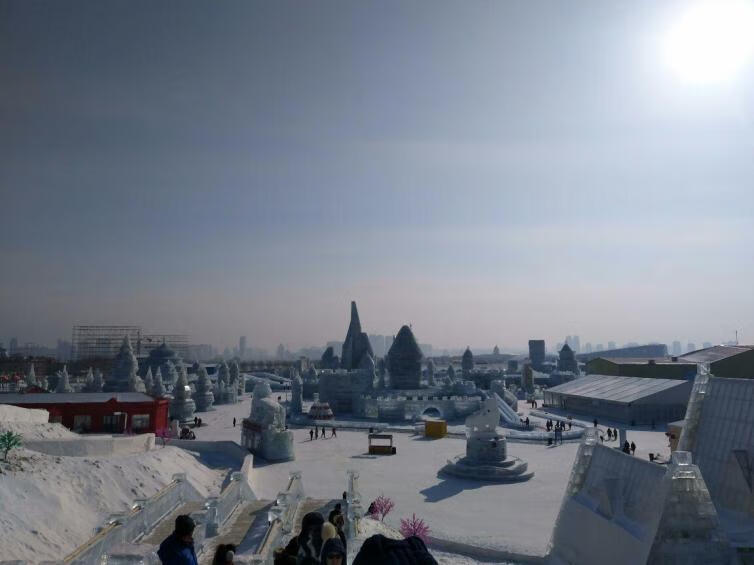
(103, 342)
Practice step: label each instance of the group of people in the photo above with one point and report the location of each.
(320, 542)
(314, 433)
(629, 448)
(197, 422)
(324, 543)
(533, 402)
(556, 425)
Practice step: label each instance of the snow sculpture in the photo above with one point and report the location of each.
(451, 374)
(368, 368)
(169, 374)
(237, 379)
(223, 379)
(486, 456)
(31, 377)
(404, 361)
(124, 367)
(297, 388)
(63, 382)
(135, 384)
(467, 363)
(689, 530)
(99, 381)
(431, 372)
(356, 344)
(158, 390)
(203, 397)
(264, 432)
(149, 381)
(182, 406)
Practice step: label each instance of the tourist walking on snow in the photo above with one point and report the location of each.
(311, 435)
(333, 433)
(316, 432)
(633, 448)
(323, 432)
(234, 422)
(178, 547)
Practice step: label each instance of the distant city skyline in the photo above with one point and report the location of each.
(489, 172)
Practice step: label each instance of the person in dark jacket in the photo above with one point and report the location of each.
(178, 547)
(337, 509)
(310, 538)
(333, 552)
(379, 550)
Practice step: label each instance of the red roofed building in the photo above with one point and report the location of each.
(98, 412)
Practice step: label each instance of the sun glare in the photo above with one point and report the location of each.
(712, 42)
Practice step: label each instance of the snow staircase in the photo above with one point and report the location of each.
(245, 528)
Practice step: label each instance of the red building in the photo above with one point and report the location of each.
(98, 412)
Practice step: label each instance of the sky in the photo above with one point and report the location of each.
(488, 172)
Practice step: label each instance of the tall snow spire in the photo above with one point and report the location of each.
(31, 377)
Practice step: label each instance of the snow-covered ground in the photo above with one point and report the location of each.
(49, 505)
(513, 517)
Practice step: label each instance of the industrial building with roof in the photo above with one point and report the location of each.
(630, 400)
(98, 412)
(726, 361)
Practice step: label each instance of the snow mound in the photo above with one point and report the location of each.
(31, 424)
(52, 504)
(30, 431)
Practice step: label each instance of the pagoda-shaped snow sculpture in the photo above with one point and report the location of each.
(486, 456)
(356, 344)
(567, 360)
(165, 358)
(297, 388)
(182, 407)
(467, 363)
(64, 384)
(158, 390)
(264, 432)
(404, 361)
(124, 366)
(203, 397)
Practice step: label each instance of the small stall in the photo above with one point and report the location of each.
(435, 428)
(379, 448)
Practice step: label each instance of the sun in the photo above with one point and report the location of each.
(712, 42)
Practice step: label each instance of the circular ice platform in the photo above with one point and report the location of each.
(510, 470)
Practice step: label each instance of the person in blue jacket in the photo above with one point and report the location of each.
(178, 547)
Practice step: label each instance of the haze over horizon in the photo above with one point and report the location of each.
(489, 172)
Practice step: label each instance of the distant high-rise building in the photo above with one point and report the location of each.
(676, 348)
(611, 345)
(599, 347)
(691, 346)
(706, 345)
(574, 343)
(537, 352)
(13, 345)
(588, 347)
(242, 346)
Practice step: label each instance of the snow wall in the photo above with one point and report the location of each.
(614, 514)
(93, 445)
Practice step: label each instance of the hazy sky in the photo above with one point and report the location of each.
(487, 171)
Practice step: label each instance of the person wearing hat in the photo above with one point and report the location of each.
(178, 547)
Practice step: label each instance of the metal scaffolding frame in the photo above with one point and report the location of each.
(103, 342)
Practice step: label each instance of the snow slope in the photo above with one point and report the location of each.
(50, 505)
